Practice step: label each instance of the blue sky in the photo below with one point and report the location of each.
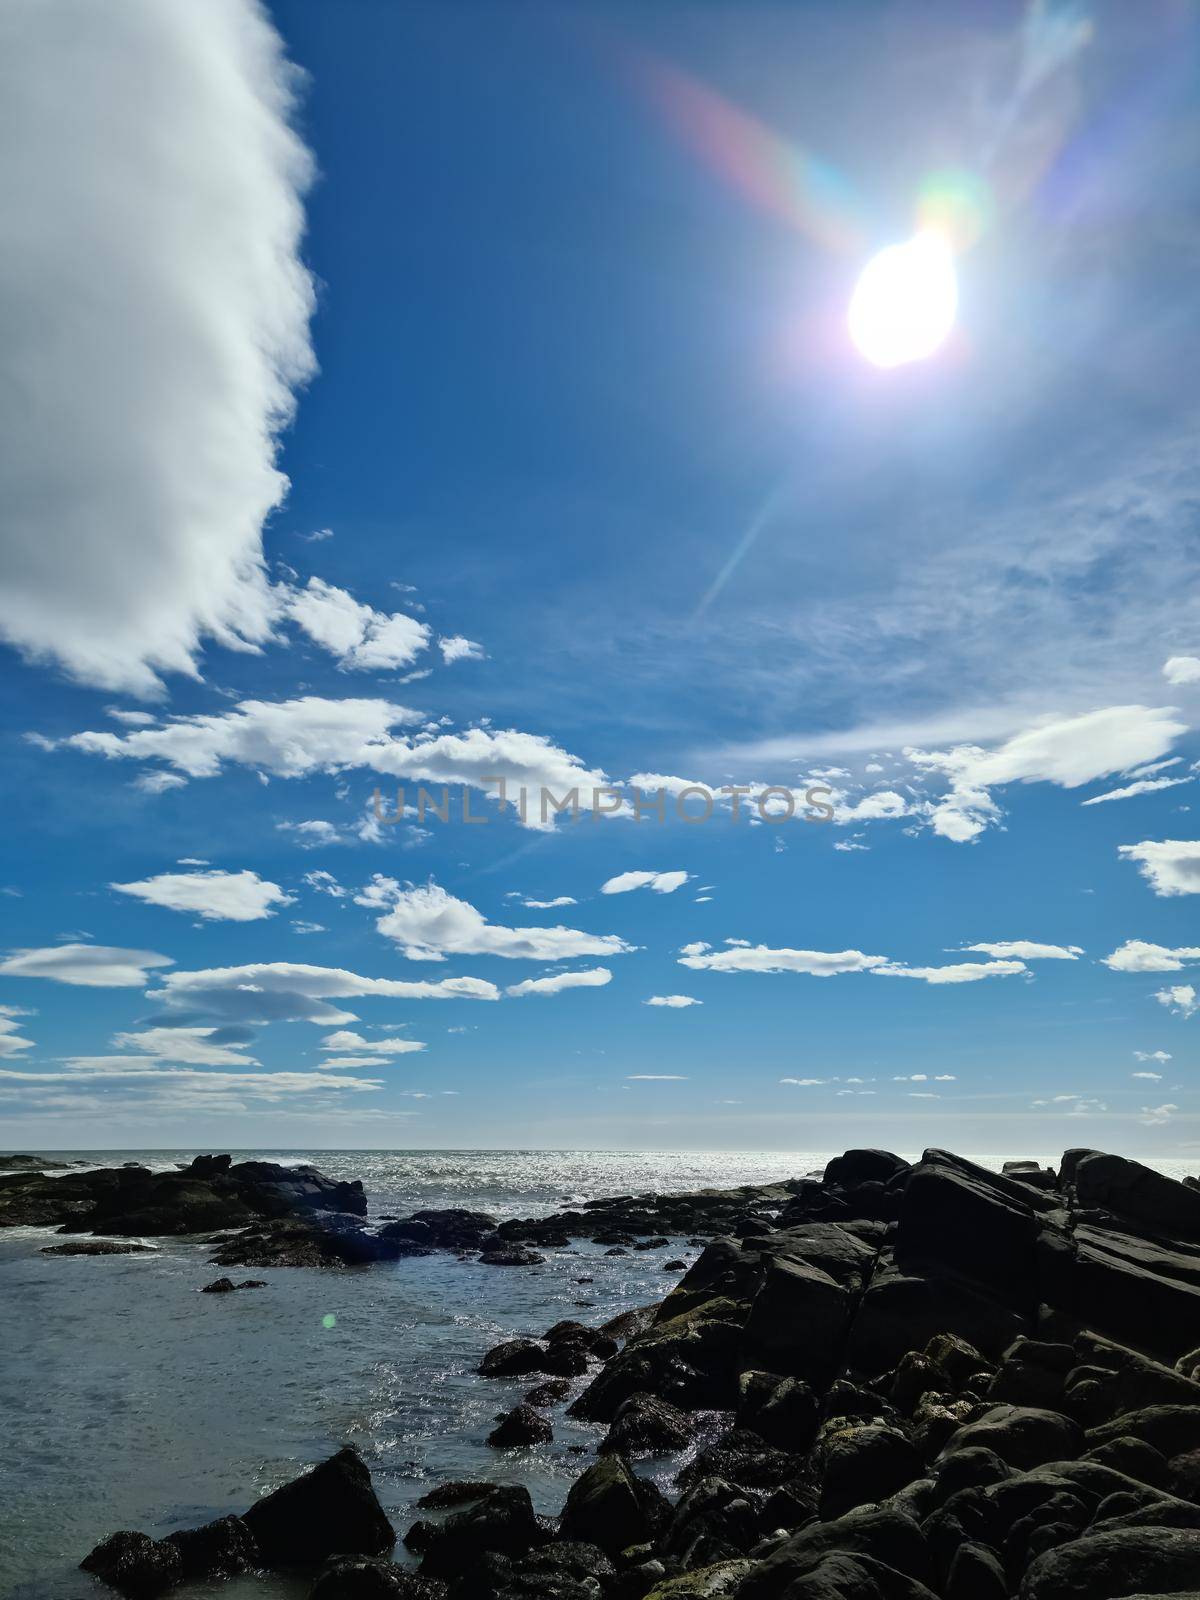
(477, 399)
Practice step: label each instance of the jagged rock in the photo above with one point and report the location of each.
(356, 1578)
(519, 1427)
(1115, 1183)
(646, 1425)
(610, 1507)
(502, 1523)
(714, 1521)
(784, 1411)
(511, 1256)
(331, 1510)
(219, 1549)
(902, 1310)
(1118, 1562)
(708, 1583)
(961, 1219)
(864, 1166)
(550, 1393)
(559, 1571)
(455, 1494)
(137, 1565)
(227, 1285)
(798, 1321)
(885, 1537)
(513, 1358)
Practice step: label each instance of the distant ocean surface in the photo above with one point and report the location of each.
(131, 1400)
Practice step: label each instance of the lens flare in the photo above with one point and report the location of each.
(904, 303)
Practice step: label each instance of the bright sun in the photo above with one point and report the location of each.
(904, 303)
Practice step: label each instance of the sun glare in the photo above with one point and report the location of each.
(904, 303)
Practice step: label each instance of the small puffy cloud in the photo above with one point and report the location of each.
(1179, 998)
(741, 957)
(215, 896)
(804, 1083)
(1169, 866)
(456, 648)
(881, 806)
(313, 834)
(159, 782)
(1136, 955)
(88, 966)
(555, 983)
(344, 1039)
(1026, 950)
(1182, 669)
(550, 905)
(131, 719)
(676, 1002)
(660, 882)
(324, 883)
(1152, 1055)
(429, 924)
(957, 972)
(1155, 1077)
(299, 925)
(1155, 1116)
(361, 638)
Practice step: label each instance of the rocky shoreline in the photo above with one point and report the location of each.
(885, 1382)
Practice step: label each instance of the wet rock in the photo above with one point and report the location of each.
(97, 1247)
(511, 1256)
(137, 1565)
(1023, 1436)
(502, 1523)
(227, 1285)
(1112, 1563)
(610, 1507)
(355, 1578)
(886, 1538)
(513, 1358)
(458, 1493)
(520, 1427)
(647, 1425)
(550, 1393)
(715, 1582)
(219, 1549)
(331, 1510)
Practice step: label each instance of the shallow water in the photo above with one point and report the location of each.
(133, 1401)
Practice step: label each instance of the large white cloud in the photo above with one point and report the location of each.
(343, 1039)
(215, 896)
(294, 738)
(1169, 866)
(90, 966)
(290, 991)
(154, 325)
(1066, 751)
(1027, 950)
(430, 924)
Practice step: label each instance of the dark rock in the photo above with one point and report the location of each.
(1134, 1459)
(714, 1521)
(217, 1550)
(550, 1393)
(883, 1536)
(97, 1247)
(798, 1321)
(1115, 1183)
(864, 1166)
(356, 1578)
(674, 1266)
(227, 1285)
(519, 1427)
(646, 1425)
(610, 1507)
(1120, 1562)
(514, 1358)
(502, 1523)
(784, 1411)
(511, 1256)
(743, 1458)
(1023, 1436)
(331, 1510)
(455, 1494)
(863, 1465)
(135, 1564)
(976, 1573)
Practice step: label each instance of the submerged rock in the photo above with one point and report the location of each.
(98, 1247)
(135, 1564)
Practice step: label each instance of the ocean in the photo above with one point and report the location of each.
(131, 1400)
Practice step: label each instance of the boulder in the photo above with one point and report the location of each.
(967, 1221)
(887, 1538)
(502, 1523)
(646, 1425)
(513, 1358)
(97, 1247)
(863, 1166)
(137, 1565)
(714, 1582)
(798, 1321)
(1115, 1563)
(863, 1465)
(331, 1510)
(1022, 1436)
(219, 1549)
(513, 1255)
(520, 1427)
(357, 1578)
(610, 1507)
(1114, 1183)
